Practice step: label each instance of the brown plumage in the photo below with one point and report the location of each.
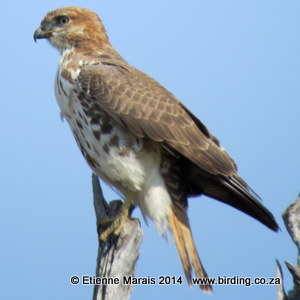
(122, 117)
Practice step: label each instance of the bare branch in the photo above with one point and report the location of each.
(118, 255)
(291, 218)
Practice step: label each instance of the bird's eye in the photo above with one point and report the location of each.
(63, 20)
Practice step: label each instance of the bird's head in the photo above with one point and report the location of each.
(73, 27)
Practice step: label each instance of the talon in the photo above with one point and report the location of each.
(115, 226)
(106, 222)
(116, 223)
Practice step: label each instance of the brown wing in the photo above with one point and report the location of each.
(148, 110)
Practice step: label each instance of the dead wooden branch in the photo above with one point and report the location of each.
(291, 218)
(118, 255)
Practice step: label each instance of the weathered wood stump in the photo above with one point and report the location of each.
(117, 256)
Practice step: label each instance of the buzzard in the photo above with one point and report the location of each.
(138, 137)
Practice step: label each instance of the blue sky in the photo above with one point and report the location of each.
(235, 64)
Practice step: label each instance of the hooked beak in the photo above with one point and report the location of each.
(41, 34)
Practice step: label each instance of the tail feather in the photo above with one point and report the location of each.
(235, 192)
(186, 248)
(231, 190)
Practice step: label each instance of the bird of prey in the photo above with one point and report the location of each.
(138, 137)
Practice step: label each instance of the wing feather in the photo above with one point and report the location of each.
(147, 109)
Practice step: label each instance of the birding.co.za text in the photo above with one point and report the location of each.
(174, 280)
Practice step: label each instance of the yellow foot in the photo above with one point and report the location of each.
(115, 225)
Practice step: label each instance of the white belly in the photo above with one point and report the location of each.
(118, 157)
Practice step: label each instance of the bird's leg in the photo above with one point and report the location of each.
(118, 221)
